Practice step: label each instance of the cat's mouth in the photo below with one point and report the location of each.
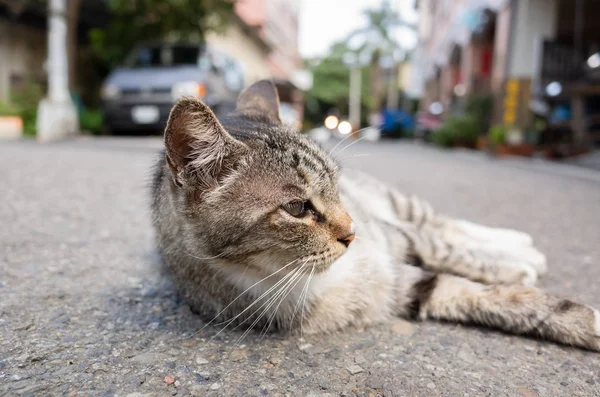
(322, 260)
(280, 261)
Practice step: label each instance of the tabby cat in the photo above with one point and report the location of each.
(259, 229)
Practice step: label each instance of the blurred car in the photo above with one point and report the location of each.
(396, 123)
(289, 115)
(139, 95)
(426, 122)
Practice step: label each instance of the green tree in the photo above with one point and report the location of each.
(376, 42)
(134, 21)
(330, 88)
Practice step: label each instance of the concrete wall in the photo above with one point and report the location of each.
(281, 31)
(236, 43)
(22, 55)
(533, 20)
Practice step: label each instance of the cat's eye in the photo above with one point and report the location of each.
(296, 208)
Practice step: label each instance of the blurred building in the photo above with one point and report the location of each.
(24, 43)
(264, 38)
(22, 49)
(533, 56)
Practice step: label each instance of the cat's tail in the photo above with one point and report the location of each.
(511, 308)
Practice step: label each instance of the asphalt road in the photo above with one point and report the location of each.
(84, 310)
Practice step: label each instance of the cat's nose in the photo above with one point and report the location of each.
(347, 239)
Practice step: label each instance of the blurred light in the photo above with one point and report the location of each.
(110, 91)
(594, 61)
(436, 108)
(302, 79)
(345, 128)
(460, 89)
(554, 88)
(186, 89)
(331, 122)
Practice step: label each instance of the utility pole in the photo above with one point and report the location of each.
(57, 115)
(392, 94)
(354, 100)
(353, 62)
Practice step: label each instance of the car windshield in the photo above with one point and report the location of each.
(165, 56)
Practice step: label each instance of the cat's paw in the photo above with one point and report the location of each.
(498, 236)
(520, 256)
(582, 324)
(504, 266)
(527, 255)
(535, 259)
(515, 273)
(594, 339)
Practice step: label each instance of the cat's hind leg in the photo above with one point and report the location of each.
(511, 308)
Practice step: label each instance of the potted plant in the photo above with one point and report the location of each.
(11, 123)
(502, 145)
(482, 142)
(457, 131)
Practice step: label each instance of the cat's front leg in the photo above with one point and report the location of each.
(508, 246)
(430, 250)
(503, 242)
(511, 308)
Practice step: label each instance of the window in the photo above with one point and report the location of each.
(166, 55)
(233, 74)
(182, 55)
(144, 57)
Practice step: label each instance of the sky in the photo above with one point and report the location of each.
(323, 22)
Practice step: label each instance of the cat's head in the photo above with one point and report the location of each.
(251, 190)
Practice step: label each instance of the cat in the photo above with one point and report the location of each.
(259, 229)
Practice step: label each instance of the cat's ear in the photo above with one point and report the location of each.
(197, 145)
(260, 100)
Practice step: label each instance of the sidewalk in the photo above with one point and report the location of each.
(591, 160)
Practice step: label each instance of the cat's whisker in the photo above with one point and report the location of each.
(272, 317)
(241, 277)
(227, 323)
(280, 294)
(246, 290)
(297, 305)
(278, 288)
(304, 304)
(343, 140)
(361, 155)
(304, 292)
(274, 312)
(352, 143)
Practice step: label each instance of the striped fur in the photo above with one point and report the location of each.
(240, 260)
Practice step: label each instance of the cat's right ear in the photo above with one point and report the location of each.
(198, 149)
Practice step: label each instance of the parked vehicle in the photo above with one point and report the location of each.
(139, 95)
(425, 124)
(396, 123)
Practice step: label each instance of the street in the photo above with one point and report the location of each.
(85, 310)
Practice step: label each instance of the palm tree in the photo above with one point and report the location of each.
(376, 43)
